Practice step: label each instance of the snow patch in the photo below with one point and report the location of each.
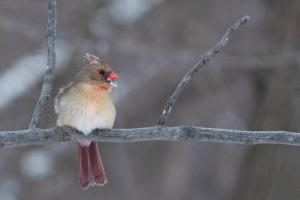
(129, 11)
(37, 164)
(26, 71)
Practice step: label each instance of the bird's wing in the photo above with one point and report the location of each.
(59, 95)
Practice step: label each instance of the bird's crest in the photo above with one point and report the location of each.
(92, 59)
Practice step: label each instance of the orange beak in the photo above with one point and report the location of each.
(113, 76)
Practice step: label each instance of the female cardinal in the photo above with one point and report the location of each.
(86, 104)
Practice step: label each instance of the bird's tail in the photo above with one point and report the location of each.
(91, 171)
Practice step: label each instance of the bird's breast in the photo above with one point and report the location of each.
(91, 118)
(86, 112)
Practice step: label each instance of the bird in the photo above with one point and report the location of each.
(86, 104)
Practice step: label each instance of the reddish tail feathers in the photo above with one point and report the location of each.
(91, 171)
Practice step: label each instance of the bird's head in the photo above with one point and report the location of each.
(99, 74)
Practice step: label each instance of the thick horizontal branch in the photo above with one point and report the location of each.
(180, 133)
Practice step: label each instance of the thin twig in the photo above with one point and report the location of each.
(51, 59)
(198, 65)
(180, 133)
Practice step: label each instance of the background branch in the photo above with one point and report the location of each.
(51, 58)
(198, 65)
(179, 133)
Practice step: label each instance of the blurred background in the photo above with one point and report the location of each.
(253, 84)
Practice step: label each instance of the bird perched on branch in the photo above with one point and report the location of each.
(86, 104)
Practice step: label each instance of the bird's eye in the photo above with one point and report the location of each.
(102, 72)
